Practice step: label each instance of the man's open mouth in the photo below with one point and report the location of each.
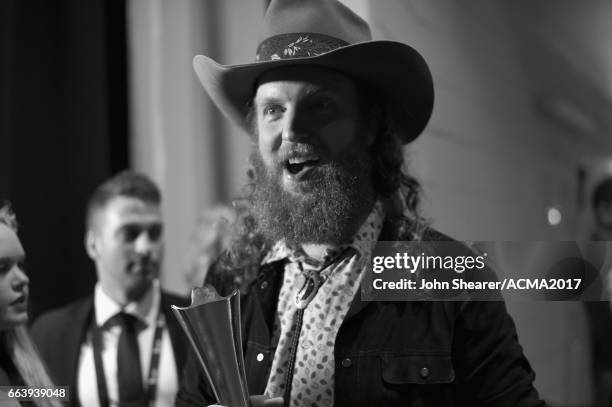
(298, 166)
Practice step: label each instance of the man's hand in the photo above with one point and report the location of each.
(261, 401)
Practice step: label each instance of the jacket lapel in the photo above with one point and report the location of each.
(73, 339)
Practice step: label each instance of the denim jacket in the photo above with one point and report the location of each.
(394, 353)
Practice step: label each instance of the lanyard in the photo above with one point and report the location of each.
(153, 366)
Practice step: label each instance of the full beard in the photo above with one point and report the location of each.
(329, 209)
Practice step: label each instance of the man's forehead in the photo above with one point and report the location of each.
(311, 77)
(123, 209)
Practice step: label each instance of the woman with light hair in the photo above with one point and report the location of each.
(211, 237)
(20, 364)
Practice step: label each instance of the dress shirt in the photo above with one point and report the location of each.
(146, 311)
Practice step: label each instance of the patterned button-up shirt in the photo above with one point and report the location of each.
(341, 269)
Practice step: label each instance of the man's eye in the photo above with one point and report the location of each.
(130, 234)
(155, 233)
(273, 110)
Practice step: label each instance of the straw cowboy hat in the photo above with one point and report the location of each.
(325, 33)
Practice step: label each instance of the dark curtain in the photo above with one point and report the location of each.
(63, 130)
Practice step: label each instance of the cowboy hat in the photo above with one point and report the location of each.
(325, 33)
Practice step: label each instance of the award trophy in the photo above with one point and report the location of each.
(212, 324)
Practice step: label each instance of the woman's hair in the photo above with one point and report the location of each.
(16, 342)
(7, 216)
(212, 236)
(18, 346)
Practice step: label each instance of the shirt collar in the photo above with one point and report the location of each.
(362, 241)
(145, 309)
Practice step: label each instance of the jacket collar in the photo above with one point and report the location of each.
(394, 229)
(145, 309)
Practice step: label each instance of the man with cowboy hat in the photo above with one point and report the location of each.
(328, 111)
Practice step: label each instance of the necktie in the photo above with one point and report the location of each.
(129, 376)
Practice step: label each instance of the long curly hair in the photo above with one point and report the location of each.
(399, 191)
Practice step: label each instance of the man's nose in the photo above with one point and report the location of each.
(144, 245)
(295, 126)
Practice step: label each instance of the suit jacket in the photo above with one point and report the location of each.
(59, 333)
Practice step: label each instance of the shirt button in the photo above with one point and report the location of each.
(347, 362)
(424, 372)
(264, 285)
(260, 357)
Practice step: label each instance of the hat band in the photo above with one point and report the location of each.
(297, 45)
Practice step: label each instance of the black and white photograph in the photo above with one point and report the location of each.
(274, 203)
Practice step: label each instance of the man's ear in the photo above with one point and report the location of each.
(91, 245)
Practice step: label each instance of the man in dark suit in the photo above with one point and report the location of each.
(120, 345)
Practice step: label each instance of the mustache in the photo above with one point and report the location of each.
(297, 150)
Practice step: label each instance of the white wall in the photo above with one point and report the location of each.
(173, 137)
